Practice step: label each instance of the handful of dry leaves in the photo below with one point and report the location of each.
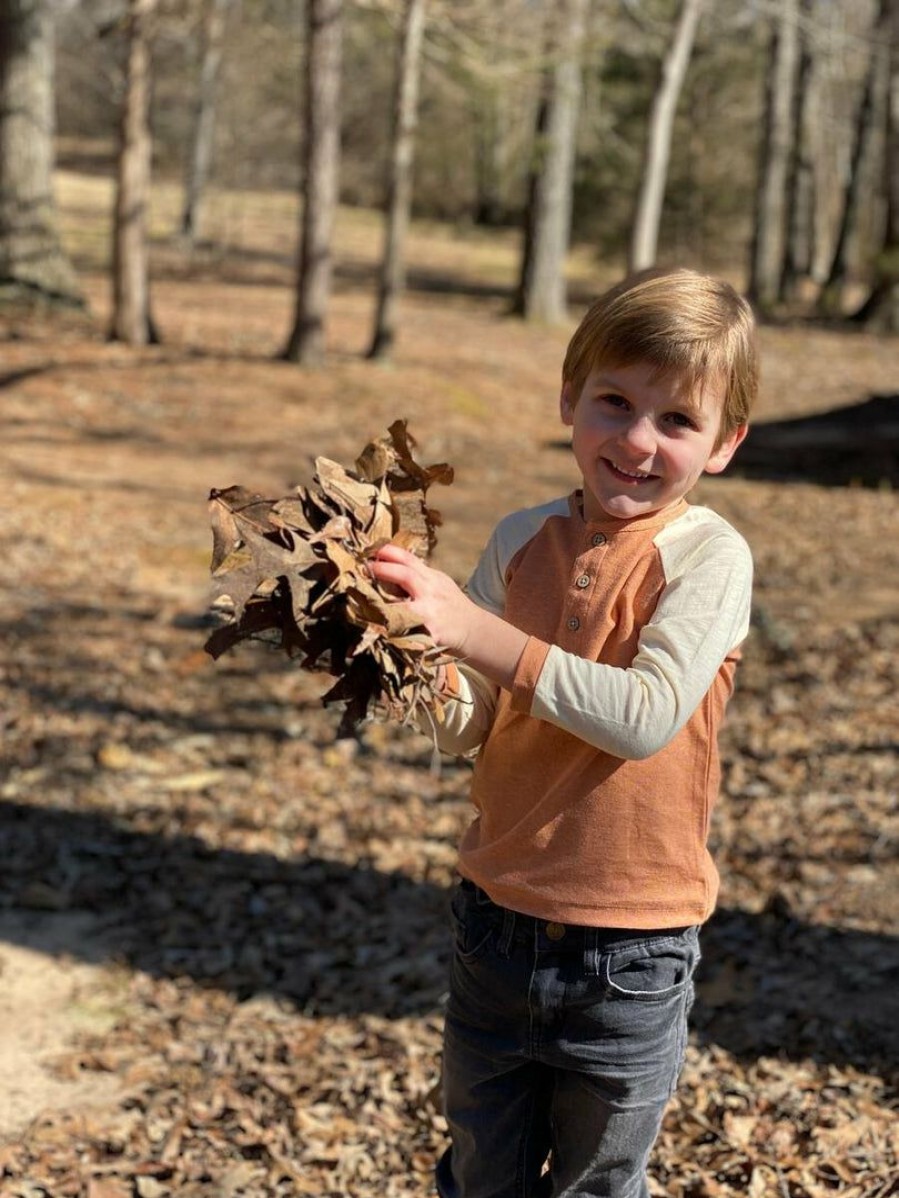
(292, 571)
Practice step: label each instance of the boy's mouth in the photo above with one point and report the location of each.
(630, 477)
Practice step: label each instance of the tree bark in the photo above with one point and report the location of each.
(800, 237)
(399, 190)
(204, 119)
(32, 259)
(321, 159)
(881, 311)
(769, 235)
(131, 320)
(830, 298)
(645, 235)
(541, 292)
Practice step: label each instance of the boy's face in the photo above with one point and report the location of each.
(641, 444)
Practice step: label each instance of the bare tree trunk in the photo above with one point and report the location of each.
(541, 291)
(531, 206)
(830, 298)
(799, 246)
(399, 191)
(204, 119)
(769, 237)
(881, 311)
(645, 235)
(32, 259)
(130, 274)
(321, 158)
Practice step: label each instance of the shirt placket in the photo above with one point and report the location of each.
(580, 589)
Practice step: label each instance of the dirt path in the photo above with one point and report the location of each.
(48, 999)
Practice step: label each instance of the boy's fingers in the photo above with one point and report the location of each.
(395, 573)
(395, 553)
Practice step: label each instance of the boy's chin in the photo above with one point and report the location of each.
(620, 507)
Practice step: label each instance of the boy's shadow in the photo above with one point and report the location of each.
(343, 940)
(772, 984)
(333, 938)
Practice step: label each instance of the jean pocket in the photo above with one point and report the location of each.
(653, 970)
(473, 927)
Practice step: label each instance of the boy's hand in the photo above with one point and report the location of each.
(433, 598)
(454, 622)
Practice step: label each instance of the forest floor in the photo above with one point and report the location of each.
(223, 943)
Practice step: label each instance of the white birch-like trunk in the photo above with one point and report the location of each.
(200, 159)
(399, 190)
(648, 215)
(542, 290)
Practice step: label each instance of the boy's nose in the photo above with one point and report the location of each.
(640, 436)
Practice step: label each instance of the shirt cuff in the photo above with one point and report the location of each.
(527, 672)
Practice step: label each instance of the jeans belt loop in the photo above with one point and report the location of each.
(504, 946)
(592, 955)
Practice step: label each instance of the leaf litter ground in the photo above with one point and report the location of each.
(262, 905)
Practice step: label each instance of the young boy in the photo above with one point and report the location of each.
(597, 643)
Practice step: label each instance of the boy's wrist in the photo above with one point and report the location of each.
(493, 647)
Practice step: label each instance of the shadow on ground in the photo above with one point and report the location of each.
(339, 939)
(858, 444)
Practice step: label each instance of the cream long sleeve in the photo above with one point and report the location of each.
(701, 614)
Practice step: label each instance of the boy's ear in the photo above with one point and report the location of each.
(726, 450)
(566, 404)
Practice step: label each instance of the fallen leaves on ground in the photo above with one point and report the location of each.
(270, 904)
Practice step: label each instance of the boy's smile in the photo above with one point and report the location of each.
(642, 441)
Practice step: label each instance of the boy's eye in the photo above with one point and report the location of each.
(617, 401)
(682, 420)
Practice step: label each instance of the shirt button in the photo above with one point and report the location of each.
(599, 538)
(583, 581)
(574, 623)
(555, 931)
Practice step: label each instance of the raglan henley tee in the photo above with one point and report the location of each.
(596, 774)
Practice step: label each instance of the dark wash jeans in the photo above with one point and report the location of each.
(562, 1044)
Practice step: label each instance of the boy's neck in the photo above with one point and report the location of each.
(660, 516)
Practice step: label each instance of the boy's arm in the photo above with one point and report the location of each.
(701, 616)
(468, 717)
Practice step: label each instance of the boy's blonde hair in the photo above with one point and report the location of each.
(687, 325)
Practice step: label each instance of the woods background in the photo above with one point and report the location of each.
(748, 138)
(234, 236)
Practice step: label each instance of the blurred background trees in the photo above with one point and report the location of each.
(654, 173)
(131, 320)
(31, 255)
(398, 199)
(322, 68)
(547, 209)
(779, 122)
